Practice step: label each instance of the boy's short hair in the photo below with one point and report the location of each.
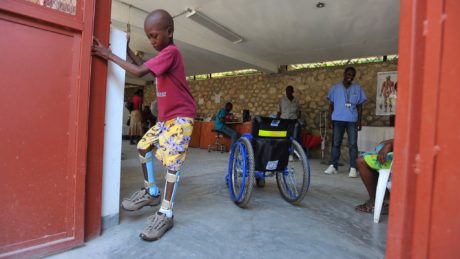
(166, 20)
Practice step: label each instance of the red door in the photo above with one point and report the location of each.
(44, 99)
(424, 211)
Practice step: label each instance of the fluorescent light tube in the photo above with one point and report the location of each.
(213, 26)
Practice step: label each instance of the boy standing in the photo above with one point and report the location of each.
(171, 134)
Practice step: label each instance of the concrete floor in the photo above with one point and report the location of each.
(209, 225)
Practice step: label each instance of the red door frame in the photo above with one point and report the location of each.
(411, 54)
(93, 197)
(81, 25)
(402, 241)
(424, 210)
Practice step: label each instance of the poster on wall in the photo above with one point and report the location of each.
(387, 83)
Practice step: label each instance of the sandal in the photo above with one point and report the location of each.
(364, 208)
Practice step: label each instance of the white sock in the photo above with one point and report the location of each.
(167, 212)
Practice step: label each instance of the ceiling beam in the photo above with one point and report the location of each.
(257, 63)
(122, 14)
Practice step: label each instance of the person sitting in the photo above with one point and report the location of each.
(368, 165)
(223, 115)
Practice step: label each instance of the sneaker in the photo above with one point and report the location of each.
(353, 173)
(139, 200)
(158, 224)
(330, 170)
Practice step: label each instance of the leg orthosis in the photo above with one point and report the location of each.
(170, 178)
(150, 184)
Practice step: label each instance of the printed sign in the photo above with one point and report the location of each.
(387, 83)
(271, 165)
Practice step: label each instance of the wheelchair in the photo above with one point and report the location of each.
(268, 151)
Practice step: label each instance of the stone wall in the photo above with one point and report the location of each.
(260, 93)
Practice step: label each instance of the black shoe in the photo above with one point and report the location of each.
(260, 182)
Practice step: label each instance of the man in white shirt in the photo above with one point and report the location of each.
(288, 107)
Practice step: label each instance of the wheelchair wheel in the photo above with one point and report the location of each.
(240, 178)
(293, 183)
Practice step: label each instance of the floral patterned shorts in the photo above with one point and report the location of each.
(171, 138)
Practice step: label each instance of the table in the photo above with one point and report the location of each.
(202, 135)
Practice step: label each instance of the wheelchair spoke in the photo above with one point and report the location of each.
(293, 183)
(241, 172)
(238, 171)
(293, 180)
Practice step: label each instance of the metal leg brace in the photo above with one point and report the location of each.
(170, 178)
(150, 184)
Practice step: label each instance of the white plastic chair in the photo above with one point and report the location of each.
(382, 184)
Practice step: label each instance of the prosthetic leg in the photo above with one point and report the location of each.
(150, 183)
(167, 205)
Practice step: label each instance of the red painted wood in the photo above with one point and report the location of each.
(444, 230)
(410, 68)
(44, 109)
(93, 195)
(423, 212)
(46, 15)
(429, 95)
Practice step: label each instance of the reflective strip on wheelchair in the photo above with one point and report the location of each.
(272, 133)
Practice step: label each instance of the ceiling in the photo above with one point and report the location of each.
(275, 32)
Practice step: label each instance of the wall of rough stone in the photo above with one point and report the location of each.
(260, 93)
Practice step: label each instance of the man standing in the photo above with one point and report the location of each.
(345, 111)
(288, 107)
(135, 130)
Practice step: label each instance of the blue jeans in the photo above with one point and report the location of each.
(229, 132)
(339, 128)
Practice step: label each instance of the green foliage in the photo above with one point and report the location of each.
(333, 63)
(344, 62)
